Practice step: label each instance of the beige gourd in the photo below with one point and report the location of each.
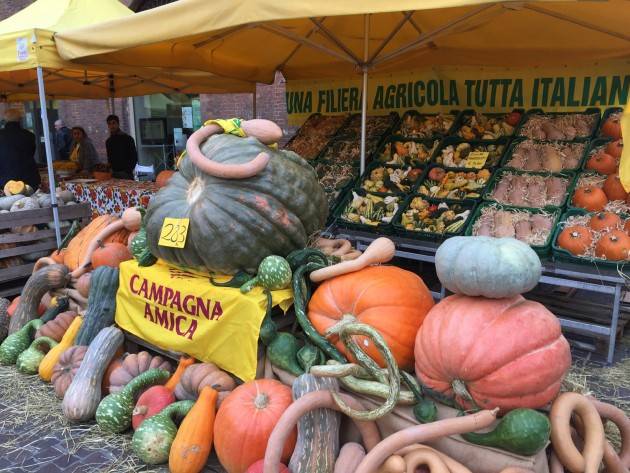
(379, 251)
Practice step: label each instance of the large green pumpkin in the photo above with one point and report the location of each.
(234, 224)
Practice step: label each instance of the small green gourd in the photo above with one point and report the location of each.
(309, 356)
(153, 439)
(29, 360)
(521, 431)
(62, 305)
(425, 411)
(17, 342)
(282, 352)
(274, 273)
(139, 245)
(115, 410)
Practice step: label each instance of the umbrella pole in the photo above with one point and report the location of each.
(49, 156)
(364, 90)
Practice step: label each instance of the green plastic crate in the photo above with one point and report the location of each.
(431, 143)
(383, 228)
(435, 237)
(456, 140)
(372, 166)
(539, 111)
(560, 254)
(519, 139)
(396, 133)
(541, 250)
(496, 177)
(470, 112)
(475, 199)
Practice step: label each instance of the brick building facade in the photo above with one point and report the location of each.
(91, 114)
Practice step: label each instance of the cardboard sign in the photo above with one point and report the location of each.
(477, 159)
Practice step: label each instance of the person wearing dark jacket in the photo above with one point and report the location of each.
(62, 140)
(121, 150)
(17, 152)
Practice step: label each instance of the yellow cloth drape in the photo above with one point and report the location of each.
(624, 165)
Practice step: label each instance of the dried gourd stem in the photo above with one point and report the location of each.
(346, 328)
(334, 369)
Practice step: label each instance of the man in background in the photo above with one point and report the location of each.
(17, 152)
(121, 150)
(62, 140)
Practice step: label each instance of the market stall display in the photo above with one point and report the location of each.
(415, 124)
(111, 196)
(433, 218)
(529, 189)
(455, 152)
(555, 156)
(454, 184)
(314, 134)
(474, 125)
(539, 125)
(416, 153)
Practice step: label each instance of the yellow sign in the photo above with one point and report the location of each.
(442, 89)
(477, 159)
(174, 231)
(182, 311)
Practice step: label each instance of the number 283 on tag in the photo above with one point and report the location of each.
(174, 231)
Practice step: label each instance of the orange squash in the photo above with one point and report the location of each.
(602, 163)
(604, 221)
(614, 246)
(506, 353)
(193, 442)
(390, 299)
(626, 227)
(613, 188)
(250, 414)
(576, 239)
(614, 148)
(110, 254)
(58, 256)
(184, 362)
(163, 178)
(590, 198)
(612, 126)
(78, 246)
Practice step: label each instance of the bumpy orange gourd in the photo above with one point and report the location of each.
(193, 442)
(47, 365)
(505, 353)
(250, 413)
(390, 299)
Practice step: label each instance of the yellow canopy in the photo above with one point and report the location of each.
(27, 42)
(250, 39)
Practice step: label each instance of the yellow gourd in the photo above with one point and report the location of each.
(14, 187)
(52, 357)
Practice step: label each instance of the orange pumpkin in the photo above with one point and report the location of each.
(163, 178)
(614, 148)
(249, 415)
(612, 127)
(590, 198)
(613, 188)
(576, 239)
(505, 353)
(390, 299)
(110, 254)
(78, 246)
(614, 246)
(604, 221)
(115, 363)
(626, 227)
(602, 163)
(58, 256)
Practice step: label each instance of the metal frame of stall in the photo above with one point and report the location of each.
(554, 273)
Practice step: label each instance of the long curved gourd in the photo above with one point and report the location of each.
(100, 237)
(84, 393)
(423, 433)
(380, 250)
(152, 441)
(265, 131)
(453, 466)
(593, 452)
(349, 457)
(193, 442)
(115, 411)
(308, 402)
(17, 342)
(619, 418)
(50, 277)
(101, 304)
(29, 360)
(47, 365)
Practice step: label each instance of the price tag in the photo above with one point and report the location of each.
(477, 159)
(174, 231)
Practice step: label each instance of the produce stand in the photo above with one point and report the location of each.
(560, 274)
(32, 241)
(111, 196)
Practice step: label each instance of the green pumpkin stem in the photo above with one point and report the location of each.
(249, 285)
(237, 280)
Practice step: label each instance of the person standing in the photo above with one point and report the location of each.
(62, 140)
(121, 150)
(83, 151)
(17, 152)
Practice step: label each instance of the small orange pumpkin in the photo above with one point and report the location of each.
(615, 148)
(614, 189)
(612, 126)
(110, 254)
(163, 178)
(576, 239)
(604, 221)
(602, 163)
(614, 246)
(590, 198)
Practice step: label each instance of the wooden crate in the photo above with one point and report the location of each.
(11, 279)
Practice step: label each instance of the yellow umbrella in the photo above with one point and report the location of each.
(305, 39)
(28, 57)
